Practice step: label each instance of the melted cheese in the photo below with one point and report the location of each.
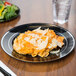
(37, 42)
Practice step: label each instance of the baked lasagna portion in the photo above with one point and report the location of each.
(37, 42)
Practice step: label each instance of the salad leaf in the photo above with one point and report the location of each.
(15, 7)
(1, 7)
(11, 12)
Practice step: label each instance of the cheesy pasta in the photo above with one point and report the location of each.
(37, 42)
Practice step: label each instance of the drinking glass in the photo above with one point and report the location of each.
(61, 10)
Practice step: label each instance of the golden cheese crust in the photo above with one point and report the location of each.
(37, 42)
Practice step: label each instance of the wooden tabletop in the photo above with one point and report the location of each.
(40, 11)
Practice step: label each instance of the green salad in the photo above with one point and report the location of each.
(7, 11)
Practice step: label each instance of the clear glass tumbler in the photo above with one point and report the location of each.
(61, 10)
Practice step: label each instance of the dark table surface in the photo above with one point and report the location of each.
(40, 11)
